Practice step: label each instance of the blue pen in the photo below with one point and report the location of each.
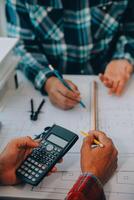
(65, 83)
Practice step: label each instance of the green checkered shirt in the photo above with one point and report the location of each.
(74, 36)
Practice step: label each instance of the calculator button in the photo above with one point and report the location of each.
(25, 168)
(33, 173)
(26, 175)
(43, 167)
(49, 147)
(29, 177)
(36, 169)
(33, 167)
(22, 166)
(19, 170)
(33, 179)
(36, 163)
(40, 171)
(29, 165)
(23, 172)
(29, 171)
(37, 175)
(29, 159)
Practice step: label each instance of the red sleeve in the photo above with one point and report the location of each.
(87, 187)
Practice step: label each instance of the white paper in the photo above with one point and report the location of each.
(116, 118)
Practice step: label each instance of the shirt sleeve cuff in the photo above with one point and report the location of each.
(126, 56)
(42, 77)
(87, 187)
(94, 177)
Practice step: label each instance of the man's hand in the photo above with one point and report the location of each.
(116, 75)
(102, 162)
(60, 95)
(11, 158)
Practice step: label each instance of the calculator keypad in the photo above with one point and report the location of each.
(39, 160)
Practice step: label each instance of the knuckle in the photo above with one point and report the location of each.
(101, 132)
(110, 143)
(116, 152)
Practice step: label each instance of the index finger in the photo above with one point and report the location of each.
(101, 137)
(87, 142)
(26, 142)
(103, 77)
(120, 87)
(68, 93)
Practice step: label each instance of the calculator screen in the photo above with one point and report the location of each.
(56, 140)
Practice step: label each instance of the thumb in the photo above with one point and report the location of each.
(27, 142)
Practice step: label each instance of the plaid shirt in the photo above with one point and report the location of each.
(70, 35)
(87, 187)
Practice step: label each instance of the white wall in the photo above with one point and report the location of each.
(2, 18)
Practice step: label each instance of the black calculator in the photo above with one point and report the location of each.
(55, 143)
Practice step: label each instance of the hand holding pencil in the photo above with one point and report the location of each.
(101, 162)
(60, 95)
(95, 141)
(65, 83)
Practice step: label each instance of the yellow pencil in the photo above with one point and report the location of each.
(95, 141)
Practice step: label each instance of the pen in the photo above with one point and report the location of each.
(16, 81)
(32, 109)
(65, 83)
(35, 115)
(95, 141)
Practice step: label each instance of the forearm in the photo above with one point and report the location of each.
(34, 64)
(87, 187)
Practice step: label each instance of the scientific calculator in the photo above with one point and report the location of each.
(55, 143)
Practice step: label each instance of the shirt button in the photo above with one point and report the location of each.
(104, 8)
(82, 71)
